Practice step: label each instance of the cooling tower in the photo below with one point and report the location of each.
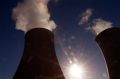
(39, 60)
(109, 42)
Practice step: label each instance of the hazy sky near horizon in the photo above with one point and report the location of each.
(77, 24)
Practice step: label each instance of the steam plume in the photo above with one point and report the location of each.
(100, 25)
(85, 16)
(33, 14)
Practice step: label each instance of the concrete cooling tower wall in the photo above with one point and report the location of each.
(39, 60)
(109, 42)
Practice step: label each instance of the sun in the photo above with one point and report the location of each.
(76, 71)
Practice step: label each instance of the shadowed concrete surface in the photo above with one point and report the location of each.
(109, 42)
(39, 60)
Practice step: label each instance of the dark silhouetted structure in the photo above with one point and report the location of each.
(109, 42)
(39, 60)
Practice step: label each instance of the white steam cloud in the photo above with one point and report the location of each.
(33, 14)
(85, 16)
(97, 25)
(100, 25)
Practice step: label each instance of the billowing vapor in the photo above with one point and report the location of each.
(100, 25)
(97, 25)
(33, 14)
(85, 16)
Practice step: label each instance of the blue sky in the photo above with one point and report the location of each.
(70, 36)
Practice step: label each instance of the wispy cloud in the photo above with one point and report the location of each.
(97, 25)
(33, 14)
(85, 17)
(100, 25)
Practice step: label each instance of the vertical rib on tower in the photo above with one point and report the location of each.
(109, 42)
(39, 60)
